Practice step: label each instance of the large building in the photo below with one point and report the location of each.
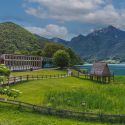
(21, 62)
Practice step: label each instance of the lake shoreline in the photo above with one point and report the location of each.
(117, 69)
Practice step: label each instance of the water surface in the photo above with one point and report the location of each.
(118, 69)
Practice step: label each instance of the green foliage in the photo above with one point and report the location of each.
(2, 79)
(4, 71)
(74, 58)
(51, 48)
(9, 92)
(15, 39)
(61, 58)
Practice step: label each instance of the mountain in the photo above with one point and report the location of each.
(43, 39)
(106, 43)
(15, 39)
(58, 40)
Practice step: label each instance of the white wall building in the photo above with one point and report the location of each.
(21, 62)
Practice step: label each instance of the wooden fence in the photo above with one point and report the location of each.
(86, 75)
(13, 80)
(67, 113)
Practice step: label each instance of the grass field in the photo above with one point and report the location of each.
(76, 94)
(10, 115)
(67, 93)
(40, 72)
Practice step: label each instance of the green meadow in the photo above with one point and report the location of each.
(10, 115)
(70, 93)
(75, 94)
(40, 72)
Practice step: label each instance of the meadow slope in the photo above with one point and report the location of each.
(69, 93)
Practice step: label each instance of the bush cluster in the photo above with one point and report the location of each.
(10, 92)
(4, 71)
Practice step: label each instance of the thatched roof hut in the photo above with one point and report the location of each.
(100, 69)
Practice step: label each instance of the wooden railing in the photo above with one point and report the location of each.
(67, 113)
(78, 69)
(88, 76)
(13, 80)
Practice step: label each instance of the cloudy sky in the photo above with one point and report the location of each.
(63, 18)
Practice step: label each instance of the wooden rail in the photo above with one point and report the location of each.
(67, 113)
(100, 79)
(78, 69)
(13, 80)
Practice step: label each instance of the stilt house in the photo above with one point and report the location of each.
(100, 72)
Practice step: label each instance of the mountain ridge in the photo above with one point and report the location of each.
(105, 43)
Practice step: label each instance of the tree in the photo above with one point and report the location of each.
(61, 58)
(4, 71)
(51, 48)
(74, 58)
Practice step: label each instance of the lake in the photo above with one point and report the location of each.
(118, 69)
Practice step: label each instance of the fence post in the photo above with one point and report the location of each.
(34, 107)
(8, 80)
(49, 111)
(27, 77)
(20, 78)
(78, 73)
(14, 80)
(19, 105)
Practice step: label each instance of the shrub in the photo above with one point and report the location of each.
(4, 71)
(10, 92)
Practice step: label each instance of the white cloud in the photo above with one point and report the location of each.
(50, 31)
(63, 9)
(90, 11)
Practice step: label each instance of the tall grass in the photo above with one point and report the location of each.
(101, 99)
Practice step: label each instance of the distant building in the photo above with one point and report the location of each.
(47, 62)
(21, 62)
(100, 72)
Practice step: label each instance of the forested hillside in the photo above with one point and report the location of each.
(15, 39)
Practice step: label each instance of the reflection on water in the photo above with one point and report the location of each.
(118, 69)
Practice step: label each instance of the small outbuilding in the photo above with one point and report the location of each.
(101, 72)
